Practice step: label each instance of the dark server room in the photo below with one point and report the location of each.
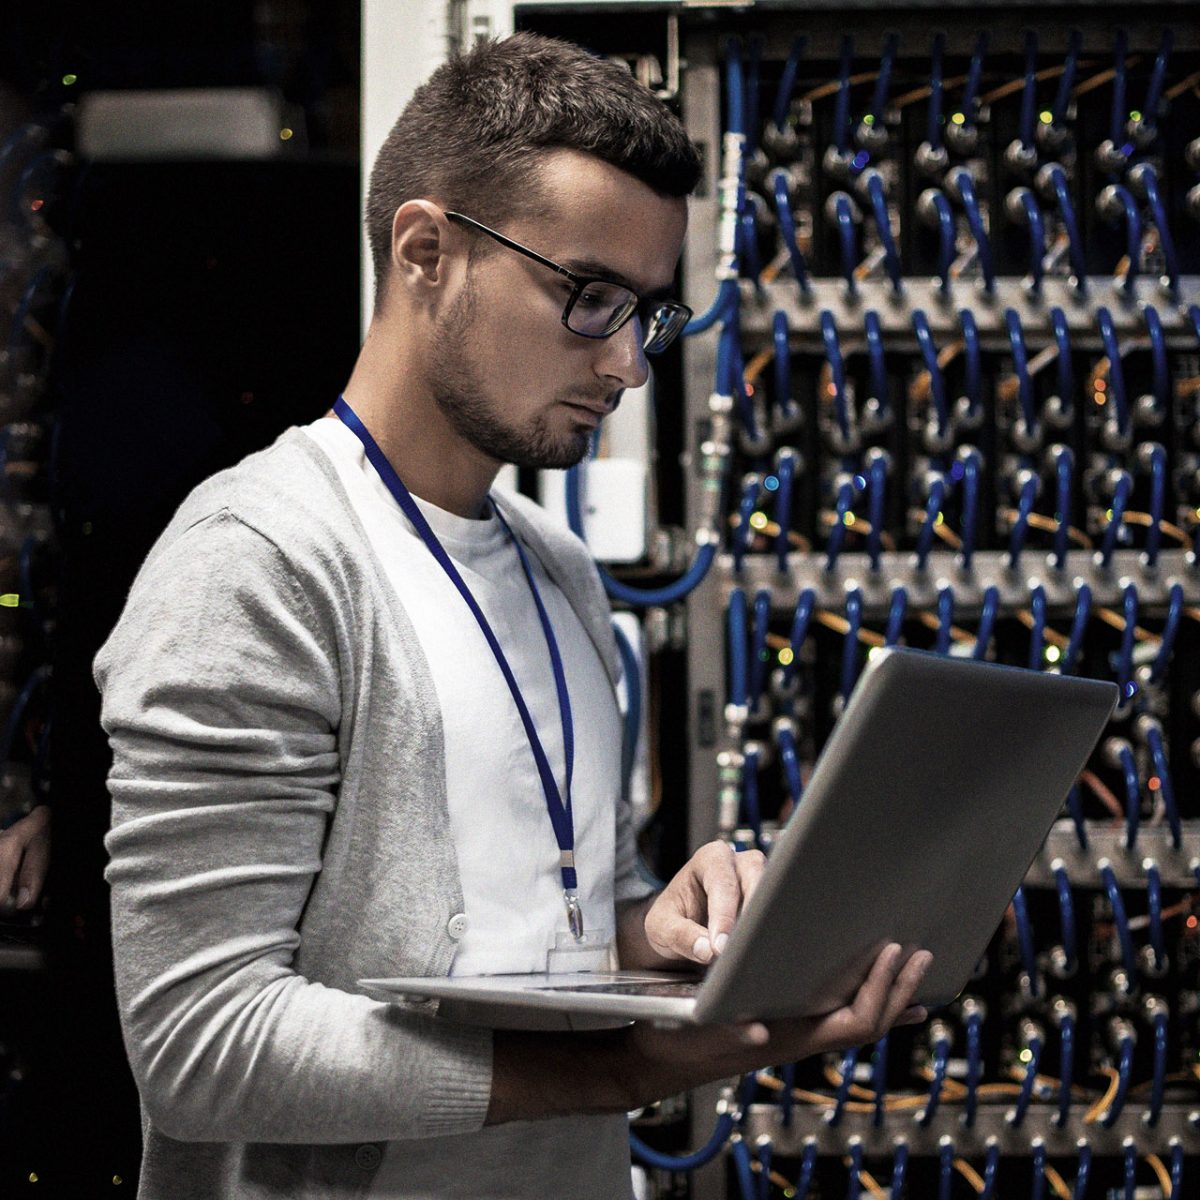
(892, 547)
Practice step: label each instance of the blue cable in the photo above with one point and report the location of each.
(754, 63)
(841, 116)
(781, 335)
(974, 75)
(1064, 473)
(899, 1167)
(1176, 1169)
(765, 1155)
(1157, 78)
(735, 381)
(972, 465)
(808, 1165)
(1066, 81)
(1133, 237)
(875, 358)
(1116, 124)
(1075, 808)
(1116, 372)
(723, 305)
(837, 534)
(787, 81)
(1025, 939)
(1170, 628)
(758, 646)
(965, 186)
(734, 86)
(987, 621)
(1066, 210)
(1066, 379)
(1129, 608)
(785, 471)
(1158, 487)
(879, 1080)
(787, 228)
(933, 508)
(805, 604)
(1119, 918)
(945, 1167)
(740, 541)
(1124, 1074)
(1082, 1171)
(684, 1162)
(1038, 1189)
(941, 1056)
(787, 1101)
(1037, 635)
(1083, 611)
(896, 611)
(1066, 1056)
(945, 608)
(785, 739)
(1158, 756)
(850, 646)
(856, 1165)
(1133, 795)
(1154, 903)
(974, 1066)
(837, 367)
(1029, 93)
(750, 806)
(991, 1164)
(845, 227)
(937, 383)
(877, 492)
(1112, 530)
(1026, 1093)
(24, 307)
(891, 256)
(745, 1174)
(633, 706)
(1066, 915)
(1021, 525)
(736, 622)
(1016, 341)
(846, 1071)
(1158, 354)
(933, 130)
(1149, 180)
(1037, 237)
(751, 258)
(974, 364)
(883, 80)
(947, 235)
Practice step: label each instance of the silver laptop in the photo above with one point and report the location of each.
(924, 811)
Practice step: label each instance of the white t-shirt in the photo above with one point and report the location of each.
(507, 852)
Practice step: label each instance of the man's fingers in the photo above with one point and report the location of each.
(676, 935)
(722, 876)
(908, 981)
(32, 875)
(10, 859)
(749, 865)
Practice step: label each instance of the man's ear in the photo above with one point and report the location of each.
(421, 241)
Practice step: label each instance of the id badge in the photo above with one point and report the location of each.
(595, 951)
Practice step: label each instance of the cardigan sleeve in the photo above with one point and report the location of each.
(221, 701)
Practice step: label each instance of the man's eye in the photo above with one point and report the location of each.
(591, 297)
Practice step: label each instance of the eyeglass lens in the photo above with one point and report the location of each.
(601, 308)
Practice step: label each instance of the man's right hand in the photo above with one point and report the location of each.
(544, 1075)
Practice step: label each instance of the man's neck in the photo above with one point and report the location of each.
(435, 462)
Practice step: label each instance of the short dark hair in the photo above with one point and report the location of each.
(472, 132)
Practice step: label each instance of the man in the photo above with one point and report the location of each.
(352, 693)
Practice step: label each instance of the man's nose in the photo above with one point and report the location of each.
(621, 357)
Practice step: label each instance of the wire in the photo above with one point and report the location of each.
(787, 81)
(756, 42)
(987, 621)
(971, 464)
(1016, 340)
(1083, 610)
(750, 807)
(1133, 237)
(1116, 124)
(633, 704)
(896, 611)
(945, 1167)
(783, 367)
(1145, 176)
(933, 510)
(974, 74)
(879, 1079)
(941, 1057)
(684, 1162)
(1038, 1151)
(841, 116)
(891, 255)
(1021, 525)
(1082, 1170)
(837, 532)
(1066, 211)
(741, 1162)
(1066, 82)
(1158, 353)
(1170, 628)
(850, 645)
(933, 127)
(1158, 483)
(1064, 470)
(1066, 382)
(736, 621)
(787, 228)
(1025, 939)
(1129, 603)
(1029, 93)
(945, 608)
(1116, 373)
(877, 491)
(1162, 770)
(785, 470)
(800, 623)
(723, 306)
(937, 382)
(846, 1071)
(1119, 918)
(1037, 237)
(962, 181)
(844, 213)
(1066, 1060)
(785, 739)
(1066, 913)
(808, 1166)
(1124, 1073)
(758, 646)
(837, 367)
(879, 98)
(1112, 530)
(1176, 1169)
(947, 236)
(974, 1024)
(876, 361)
(1157, 77)
(1075, 808)
(1133, 794)
(990, 1166)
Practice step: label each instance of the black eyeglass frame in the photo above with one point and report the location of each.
(677, 313)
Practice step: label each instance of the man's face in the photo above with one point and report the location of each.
(509, 376)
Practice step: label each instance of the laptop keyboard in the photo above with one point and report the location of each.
(684, 989)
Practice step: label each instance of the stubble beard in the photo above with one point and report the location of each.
(461, 394)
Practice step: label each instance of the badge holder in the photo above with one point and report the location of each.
(592, 951)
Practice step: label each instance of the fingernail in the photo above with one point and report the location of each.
(702, 950)
(754, 1035)
(24, 897)
(721, 941)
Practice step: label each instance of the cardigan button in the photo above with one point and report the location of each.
(368, 1157)
(457, 925)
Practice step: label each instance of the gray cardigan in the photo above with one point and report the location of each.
(279, 830)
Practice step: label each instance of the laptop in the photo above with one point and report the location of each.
(924, 811)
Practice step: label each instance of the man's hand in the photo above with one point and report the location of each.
(692, 917)
(24, 859)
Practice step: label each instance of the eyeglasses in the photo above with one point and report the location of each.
(598, 307)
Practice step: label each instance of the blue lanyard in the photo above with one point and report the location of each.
(558, 808)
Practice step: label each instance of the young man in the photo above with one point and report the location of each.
(352, 691)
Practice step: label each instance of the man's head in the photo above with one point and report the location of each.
(572, 159)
